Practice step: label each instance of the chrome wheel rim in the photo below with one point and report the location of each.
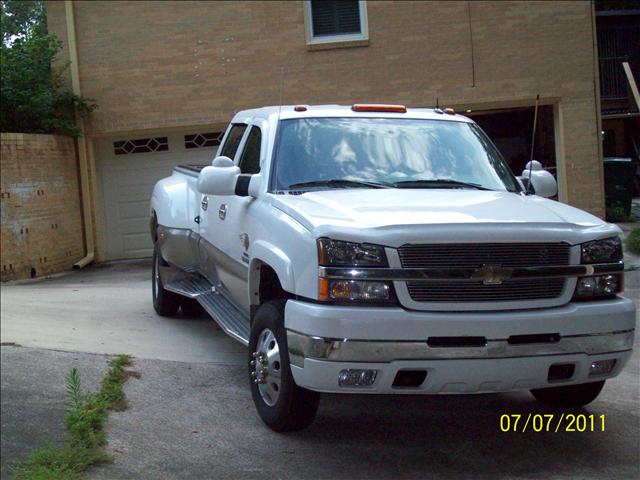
(266, 367)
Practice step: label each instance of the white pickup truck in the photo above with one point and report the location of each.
(380, 249)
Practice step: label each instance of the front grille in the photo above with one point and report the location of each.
(470, 255)
(509, 290)
(475, 255)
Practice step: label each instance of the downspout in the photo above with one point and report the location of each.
(85, 189)
(596, 91)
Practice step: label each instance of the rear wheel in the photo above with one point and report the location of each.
(281, 404)
(569, 395)
(190, 307)
(165, 303)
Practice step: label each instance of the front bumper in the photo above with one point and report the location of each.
(323, 340)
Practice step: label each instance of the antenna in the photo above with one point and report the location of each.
(437, 102)
(281, 90)
(533, 141)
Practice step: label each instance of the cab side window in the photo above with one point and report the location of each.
(233, 140)
(250, 159)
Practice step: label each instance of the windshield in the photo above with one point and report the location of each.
(322, 153)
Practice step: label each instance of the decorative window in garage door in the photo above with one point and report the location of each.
(203, 140)
(141, 145)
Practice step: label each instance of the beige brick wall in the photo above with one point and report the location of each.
(155, 65)
(41, 221)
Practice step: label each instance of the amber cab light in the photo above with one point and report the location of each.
(300, 108)
(450, 111)
(374, 107)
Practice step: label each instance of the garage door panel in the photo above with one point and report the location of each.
(134, 210)
(127, 183)
(137, 193)
(136, 242)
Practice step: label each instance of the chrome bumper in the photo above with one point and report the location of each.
(303, 346)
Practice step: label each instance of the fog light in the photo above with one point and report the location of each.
(598, 286)
(356, 378)
(602, 367)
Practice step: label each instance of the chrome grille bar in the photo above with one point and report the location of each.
(466, 274)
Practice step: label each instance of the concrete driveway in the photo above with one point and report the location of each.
(107, 309)
(191, 416)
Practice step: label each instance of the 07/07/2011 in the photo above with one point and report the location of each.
(549, 422)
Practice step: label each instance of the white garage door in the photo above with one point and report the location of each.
(129, 167)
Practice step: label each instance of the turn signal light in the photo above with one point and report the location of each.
(376, 107)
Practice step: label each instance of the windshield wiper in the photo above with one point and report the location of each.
(339, 182)
(438, 183)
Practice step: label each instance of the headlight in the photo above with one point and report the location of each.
(336, 253)
(602, 251)
(599, 286)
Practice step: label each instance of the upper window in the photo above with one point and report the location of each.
(340, 22)
(233, 141)
(203, 140)
(141, 145)
(250, 159)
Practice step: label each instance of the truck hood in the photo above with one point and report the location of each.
(420, 212)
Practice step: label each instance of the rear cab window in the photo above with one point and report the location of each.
(250, 158)
(232, 142)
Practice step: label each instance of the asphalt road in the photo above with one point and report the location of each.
(191, 414)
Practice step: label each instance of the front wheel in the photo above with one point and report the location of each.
(281, 404)
(569, 395)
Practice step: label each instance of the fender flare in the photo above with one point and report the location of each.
(263, 252)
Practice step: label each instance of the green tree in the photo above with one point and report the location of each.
(33, 94)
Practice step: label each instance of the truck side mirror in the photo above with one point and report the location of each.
(220, 178)
(543, 183)
(224, 178)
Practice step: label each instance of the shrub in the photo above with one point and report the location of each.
(633, 241)
(618, 214)
(34, 97)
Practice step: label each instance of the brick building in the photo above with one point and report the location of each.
(168, 76)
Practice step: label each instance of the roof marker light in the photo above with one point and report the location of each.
(449, 111)
(375, 107)
(300, 108)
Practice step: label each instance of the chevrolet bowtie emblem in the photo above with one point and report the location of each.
(491, 274)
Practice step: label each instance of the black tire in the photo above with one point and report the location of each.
(569, 395)
(165, 303)
(190, 307)
(295, 407)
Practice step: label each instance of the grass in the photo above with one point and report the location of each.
(633, 241)
(84, 419)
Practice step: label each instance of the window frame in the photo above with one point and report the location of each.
(339, 40)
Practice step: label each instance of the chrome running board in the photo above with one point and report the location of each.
(234, 322)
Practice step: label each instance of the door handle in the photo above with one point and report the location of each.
(222, 211)
(205, 203)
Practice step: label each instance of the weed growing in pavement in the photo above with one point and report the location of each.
(84, 419)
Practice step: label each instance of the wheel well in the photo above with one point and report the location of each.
(153, 226)
(269, 288)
